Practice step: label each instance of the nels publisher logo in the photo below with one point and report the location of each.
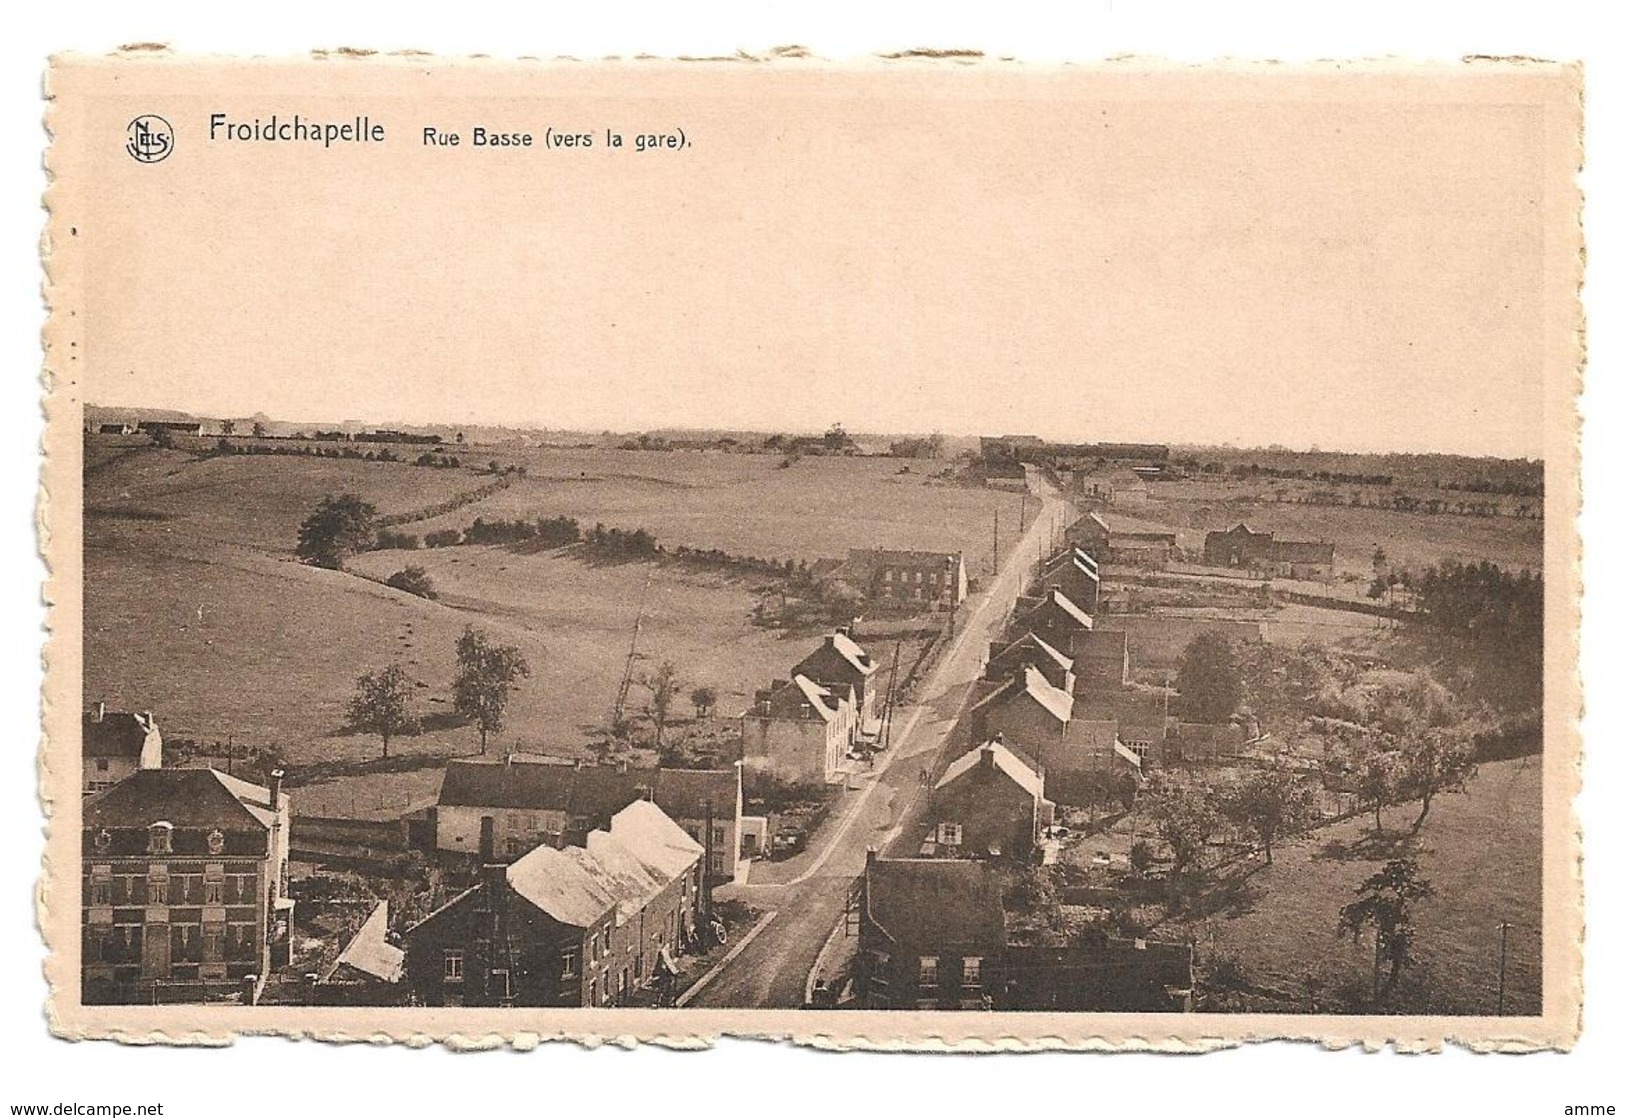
(149, 139)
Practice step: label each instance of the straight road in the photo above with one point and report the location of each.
(772, 971)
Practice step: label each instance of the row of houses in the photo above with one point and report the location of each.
(802, 729)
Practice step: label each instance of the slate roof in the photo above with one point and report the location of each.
(1054, 599)
(1004, 761)
(563, 885)
(1030, 643)
(1032, 683)
(682, 793)
(115, 734)
(936, 905)
(843, 648)
(537, 786)
(187, 798)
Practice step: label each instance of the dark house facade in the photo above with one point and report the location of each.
(930, 935)
(989, 802)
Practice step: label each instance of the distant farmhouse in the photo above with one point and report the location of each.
(1112, 485)
(1242, 547)
(1131, 549)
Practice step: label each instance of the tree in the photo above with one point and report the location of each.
(664, 687)
(1140, 857)
(228, 427)
(486, 674)
(1384, 902)
(1185, 819)
(413, 580)
(382, 704)
(1440, 760)
(1271, 803)
(340, 527)
(259, 429)
(1377, 774)
(1209, 679)
(703, 698)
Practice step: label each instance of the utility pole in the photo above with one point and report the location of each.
(631, 658)
(1501, 986)
(891, 694)
(995, 539)
(1023, 510)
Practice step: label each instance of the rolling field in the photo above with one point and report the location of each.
(1481, 850)
(746, 505)
(195, 609)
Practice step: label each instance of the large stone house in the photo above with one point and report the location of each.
(585, 925)
(931, 935)
(117, 744)
(989, 802)
(799, 732)
(914, 580)
(185, 887)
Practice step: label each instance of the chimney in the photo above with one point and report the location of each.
(99, 711)
(987, 754)
(276, 789)
(488, 839)
(870, 856)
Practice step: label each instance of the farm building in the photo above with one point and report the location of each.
(1112, 485)
(580, 926)
(1055, 617)
(917, 579)
(1076, 575)
(1242, 547)
(116, 744)
(989, 802)
(369, 969)
(1131, 548)
(799, 731)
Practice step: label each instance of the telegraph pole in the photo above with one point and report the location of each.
(1501, 986)
(995, 539)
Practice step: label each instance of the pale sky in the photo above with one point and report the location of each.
(1362, 272)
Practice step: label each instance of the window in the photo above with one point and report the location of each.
(718, 861)
(593, 947)
(971, 971)
(928, 970)
(214, 943)
(158, 885)
(214, 884)
(454, 965)
(160, 838)
(719, 836)
(950, 834)
(571, 959)
(516, 845)
(101, 764)
(101, 885)
(500, 985)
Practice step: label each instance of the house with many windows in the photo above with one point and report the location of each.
(184, 894)
(798, 731)
(909, 579)
(591, 925)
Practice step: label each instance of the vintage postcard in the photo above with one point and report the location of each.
(925, 552)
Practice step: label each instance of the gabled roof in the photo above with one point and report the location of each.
(115, 734)
(1031, 683)
(1004, 761)
(620, 870)
(853, 653)
(944, 905)
(654, 839)
(819, 697)
(1073, 560)
(538, 786)
(562, 885)
(592, 792)
(370, 952)
(1068, 608)
(188, 798)
(1031, 643)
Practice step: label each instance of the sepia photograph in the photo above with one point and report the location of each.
(926, 549)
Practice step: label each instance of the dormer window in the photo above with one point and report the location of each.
(217, 841)
(103, 839)
(160, 838)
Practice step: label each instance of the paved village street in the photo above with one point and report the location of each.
(806, 895)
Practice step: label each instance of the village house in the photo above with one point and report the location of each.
(909, 579)
(1054, 616)
(579, 926)
(1075, 574)
(799, 732)
(185, 887)
(1009, 659)
(840, 663)
(536, 803)
(1261, 551)
(931, 935)
(989, 802)
(1099, 659)
(1095, 972)
(1029, 712)
(116, 745)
